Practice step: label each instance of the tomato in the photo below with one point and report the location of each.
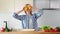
(55, 30)
(2, 29)
(46, 30)
(51, 30)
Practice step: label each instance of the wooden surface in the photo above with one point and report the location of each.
(29, 32)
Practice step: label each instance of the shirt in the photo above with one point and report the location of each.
(25, 19)
(30, 21)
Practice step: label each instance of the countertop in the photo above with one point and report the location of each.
(29, 32)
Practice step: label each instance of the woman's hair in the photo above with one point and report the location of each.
(27, 4)
(27, 7)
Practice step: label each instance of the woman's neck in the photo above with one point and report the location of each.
(28, 14)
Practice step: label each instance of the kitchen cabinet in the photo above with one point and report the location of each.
(55, 4)
(52, 4)
(41, 3)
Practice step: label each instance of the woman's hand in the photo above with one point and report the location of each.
(19, 11)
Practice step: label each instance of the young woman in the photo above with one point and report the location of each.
(29, 21)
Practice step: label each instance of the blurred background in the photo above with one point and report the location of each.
(49, 17)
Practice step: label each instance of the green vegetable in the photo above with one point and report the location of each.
(46, 27)
(58, 28)
(49, 27)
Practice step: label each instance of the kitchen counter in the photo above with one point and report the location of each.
(29, 32)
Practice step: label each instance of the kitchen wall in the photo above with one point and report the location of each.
(7, 8)
(50, 17)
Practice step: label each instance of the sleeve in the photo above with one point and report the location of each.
(19, 17)
(39, 13)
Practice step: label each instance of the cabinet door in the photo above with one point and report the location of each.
(55, 4)
(41, 3)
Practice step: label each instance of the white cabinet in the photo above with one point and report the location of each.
(47, 3)
(41, 3)
(55, 4)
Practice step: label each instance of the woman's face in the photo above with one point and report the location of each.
(28, 9)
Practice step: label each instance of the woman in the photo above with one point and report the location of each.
(29, 21)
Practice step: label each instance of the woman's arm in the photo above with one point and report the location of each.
(39, 12)
(19, 17)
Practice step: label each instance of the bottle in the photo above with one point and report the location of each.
(6, 28)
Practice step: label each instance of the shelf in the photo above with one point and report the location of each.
(50, 9)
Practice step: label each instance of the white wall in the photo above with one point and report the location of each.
(20, 3)
(50, 17)
(7, 8)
